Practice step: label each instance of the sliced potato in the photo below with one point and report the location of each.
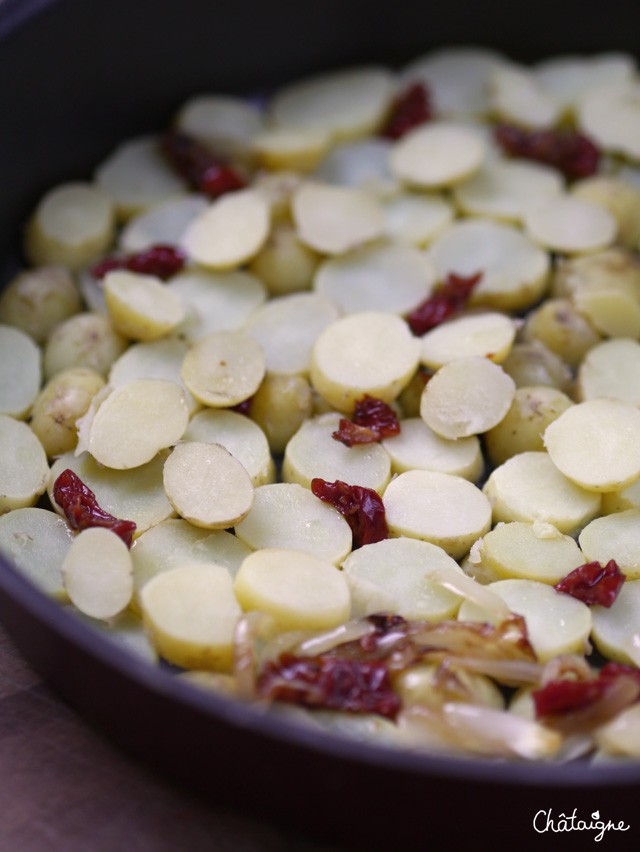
(416, 218)
(162, 224)
(20, 372)
(289, 516)
(335, 219)
(419, 447)
(191, 614)
(487, 335)
(224, 368)
(467, 396)
(207, 486)
(570, 225)
(312, 452)
(618, 197)
(280, 406)
(614, 537)
(615, 630)
(363, 163)
(243, 438)
(36, 541)
(532, 364)
(610, 115)
(445, 510)
(517, 96)
(437, 154)
(285, 264)
(365, 353)
(559, 326)
(126, 430)
(529, 487)
(299, 149)
(612, 368)
(596, 444)
(225, 124)
(140, 306)
(38, 299)
(230, 231)
(393, 576)
(23, 465)
(621, 736)
(299, 590)
(84, 340)
(72, 225)
(98, 573)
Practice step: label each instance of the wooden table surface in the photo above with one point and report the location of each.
(64, 788)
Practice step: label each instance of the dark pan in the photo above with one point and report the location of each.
(76, 78)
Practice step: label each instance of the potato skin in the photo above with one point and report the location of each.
(280, 406)
(59, 405)
(532, 410)
(84, 340)
(37, 300)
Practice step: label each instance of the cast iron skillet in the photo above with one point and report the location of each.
(76, 78)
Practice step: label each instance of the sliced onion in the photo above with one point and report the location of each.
(460, 584)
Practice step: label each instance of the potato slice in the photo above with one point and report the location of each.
(287, 327)
(224, 368)
(284, 264)
(134, 495)
(524, 551)
(620, 501)
(23, 465)
(335, 219)
(487, 335)
(570, 78)
(162, 224)
(380, 277)
(437, 154)
(175, 542)
(58, 407)
(505, 189)
(615, 630)
(612, 368)
(84, 340)
(532, 364)
(419, 447)
(514, 270)
(457, 78)
(280, 406)
(621, 736)
(467, 396)
(20, 372)
(140, 306)
(365, 353)
(207, 486)
(72, 225)
(596, 444)
(559, 326)
(191, 614)
(618, 197)
(299, 590)
(393, 576)
(216, 301)
(97, 573)
(225, 124)
(570, 225)
(136, 176)
(299, 149)
(556, 623)
(289, 516)
(610, 116)
(416, 218)
(36, 300)
(243, 438)
(614, 537)
(36, 541)
(521, 429)
(363, 163)
(346, 104)
(154, 359)
(126, 430)
(313, 452)
(516, 96)
(529, 487)
(445, 510)
(230, 232)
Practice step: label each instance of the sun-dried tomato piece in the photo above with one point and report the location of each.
(563, 697)
(572, 153)
(355, 686)
(372, 421)
(411, 108)
(194, 162)
(449, 299)
(79, 504)
(593, 583)
(362, 508)
(163, 261)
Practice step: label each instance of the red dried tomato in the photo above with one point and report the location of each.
(361, 507)
(79, 504)
(561, 697)
(372, 421)
(449, 299)
(198, 166)
(411, 108)
(163, 261)
(572, 153)
(593, 584)
(355, 686)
